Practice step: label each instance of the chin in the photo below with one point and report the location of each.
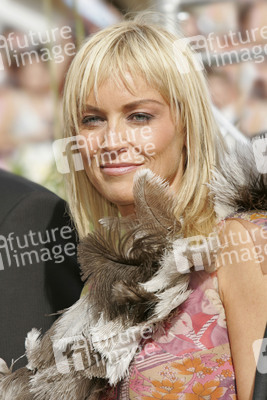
(120, 194)
(122, 201)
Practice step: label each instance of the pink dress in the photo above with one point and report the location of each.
(190, 357)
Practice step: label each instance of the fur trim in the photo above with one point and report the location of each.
(237, 184)
(108, 322)
(4, 370)
(32, 343)
(137, 272)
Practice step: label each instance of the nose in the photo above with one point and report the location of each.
(115, 140)
(114, 144)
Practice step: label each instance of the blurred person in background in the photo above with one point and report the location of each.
(188, 23)
(28, 109)
(252, 18)
(39, 273)
(225, 93)
(215, 22)
(253, 23)
(26, 126)
(219, 17)
(238, 89)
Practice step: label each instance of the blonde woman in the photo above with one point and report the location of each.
(175, 291)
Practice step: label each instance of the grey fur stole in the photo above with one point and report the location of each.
(138, 271)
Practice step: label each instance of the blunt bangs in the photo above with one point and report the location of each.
(129, 51)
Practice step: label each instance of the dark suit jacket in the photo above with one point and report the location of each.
(39, 274)
(260, 388)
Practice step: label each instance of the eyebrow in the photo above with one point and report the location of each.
(134, 104)
(126, 107)
(88, 108)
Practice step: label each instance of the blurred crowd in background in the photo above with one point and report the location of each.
(39, 40)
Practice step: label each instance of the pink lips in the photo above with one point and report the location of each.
(118, 169)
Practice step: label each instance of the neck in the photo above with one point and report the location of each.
(127, 209)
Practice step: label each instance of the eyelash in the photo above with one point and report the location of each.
(95, 120)
(92, 120)
(147, 117)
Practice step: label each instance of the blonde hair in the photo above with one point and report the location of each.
(144, 49)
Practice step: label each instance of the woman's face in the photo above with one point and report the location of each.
(126, 132)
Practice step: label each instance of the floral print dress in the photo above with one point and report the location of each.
(190, 357)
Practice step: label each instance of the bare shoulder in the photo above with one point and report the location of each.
(242, 259)
(242, 280)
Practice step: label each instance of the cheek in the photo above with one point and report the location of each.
(168, 140)
(92, 142)
(87, 150)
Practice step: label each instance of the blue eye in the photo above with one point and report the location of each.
(92, 120)
(140, 117)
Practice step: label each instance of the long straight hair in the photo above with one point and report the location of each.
(144, 48)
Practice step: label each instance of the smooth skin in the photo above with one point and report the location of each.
(243, 291)
(144, 118)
